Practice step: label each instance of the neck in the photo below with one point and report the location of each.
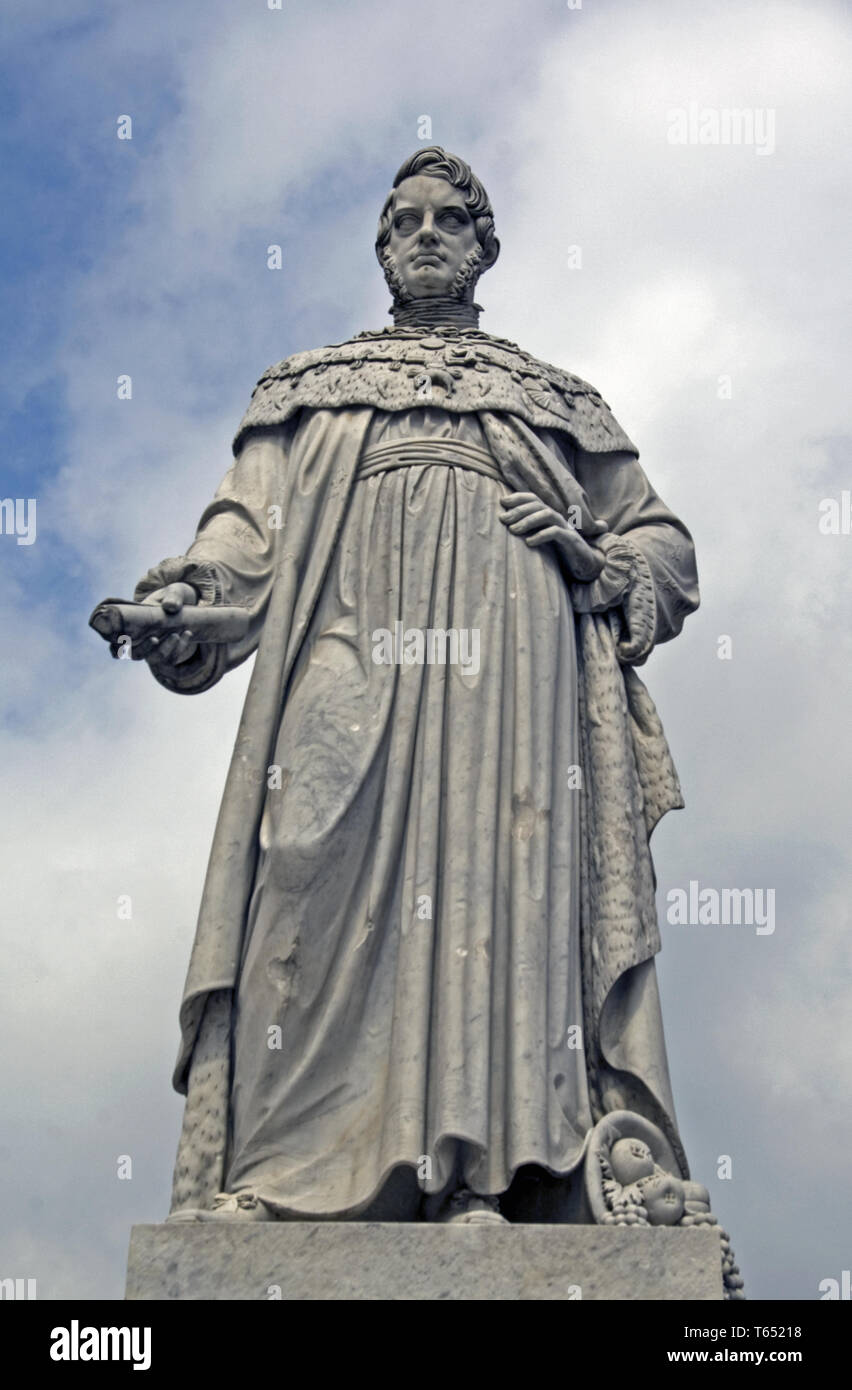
(440, 309)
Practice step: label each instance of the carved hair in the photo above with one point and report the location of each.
(437, 163)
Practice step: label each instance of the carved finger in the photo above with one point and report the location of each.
(141, 647)
(543, 517)
(166, 648)
(514, 499)
(545, 537)
(525, 509)
(186, 646)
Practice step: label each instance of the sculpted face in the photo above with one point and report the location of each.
(432, 235)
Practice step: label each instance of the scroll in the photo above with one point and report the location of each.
(206, 622)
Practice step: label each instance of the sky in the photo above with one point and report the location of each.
(703, 287)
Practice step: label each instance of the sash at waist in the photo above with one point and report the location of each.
(409, 453)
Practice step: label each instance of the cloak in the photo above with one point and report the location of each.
(317, 409)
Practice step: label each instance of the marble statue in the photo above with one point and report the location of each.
(423, 972)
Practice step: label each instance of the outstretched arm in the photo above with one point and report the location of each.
(231, 561)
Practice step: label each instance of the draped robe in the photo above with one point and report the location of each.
(427, 934)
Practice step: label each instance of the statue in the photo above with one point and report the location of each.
(423, 971)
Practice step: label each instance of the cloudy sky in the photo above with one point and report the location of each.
(710, 308)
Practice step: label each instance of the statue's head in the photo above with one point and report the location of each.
(436, 231)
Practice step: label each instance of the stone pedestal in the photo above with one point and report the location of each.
(359, 1260)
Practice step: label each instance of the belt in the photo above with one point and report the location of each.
(408, 453)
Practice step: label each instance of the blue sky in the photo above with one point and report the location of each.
(148, 257)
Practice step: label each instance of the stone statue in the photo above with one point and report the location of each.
(424, 964)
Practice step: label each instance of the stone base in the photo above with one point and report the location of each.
(357, 1260)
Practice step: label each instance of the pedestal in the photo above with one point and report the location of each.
(304, 1260)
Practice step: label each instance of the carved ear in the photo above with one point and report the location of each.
(490, 256)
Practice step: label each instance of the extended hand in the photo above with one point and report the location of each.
(173, 647)
(526, 515)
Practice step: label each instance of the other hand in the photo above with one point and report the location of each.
(527, 516)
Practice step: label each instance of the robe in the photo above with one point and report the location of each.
(427, 934)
